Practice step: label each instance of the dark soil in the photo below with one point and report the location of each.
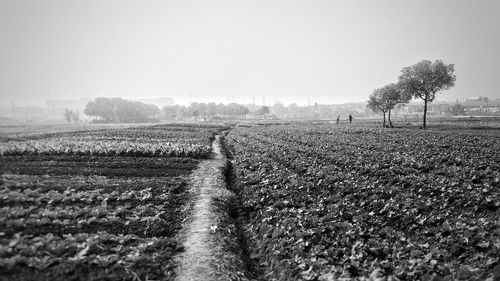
(153, 211)
(142, 270)
(328, 203)
(109, 166)
(167, 201)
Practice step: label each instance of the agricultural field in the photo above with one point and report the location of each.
(335, 202)
(29, 130)
(97, 205)
(316, 201)
(148, 141)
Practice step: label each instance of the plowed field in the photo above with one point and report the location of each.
(328, 202)
(99, 205)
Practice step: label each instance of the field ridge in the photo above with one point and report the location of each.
(210, 231)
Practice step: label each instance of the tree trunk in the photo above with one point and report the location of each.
(425, 111)
(390, 122)
(384, 119)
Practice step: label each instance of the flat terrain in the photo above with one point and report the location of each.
(93, 205)
(295, 201)
(338, 201)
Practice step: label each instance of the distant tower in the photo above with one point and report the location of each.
(13, 111)
(47, 104)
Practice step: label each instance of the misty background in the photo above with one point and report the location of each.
(261, 52)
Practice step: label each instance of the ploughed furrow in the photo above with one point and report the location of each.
(103, 205)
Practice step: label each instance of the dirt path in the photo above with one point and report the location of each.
(201, 259)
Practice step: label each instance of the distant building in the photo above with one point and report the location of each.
(481, 106)
(160, 102)
(472, 106)
(358, 108)
(25, 114)
(56, 108)
(433, 108)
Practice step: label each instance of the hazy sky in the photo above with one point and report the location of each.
(291, 51)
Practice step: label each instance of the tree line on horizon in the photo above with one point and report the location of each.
(115, 110)
(205, 111)
(422, 80)
(119, 110)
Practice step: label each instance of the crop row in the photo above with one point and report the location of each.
(68, 146)
(97, 205)
(144, 141)
(167, 131)
(156, 134)
(26, 189)
(90, 227)
(109, 166)
(360, 203)
(96, 256)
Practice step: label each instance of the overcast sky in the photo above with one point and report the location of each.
(289, 51)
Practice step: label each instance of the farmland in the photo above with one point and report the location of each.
(326, 202)
(101, 204)
(152, 141)
(306, 201)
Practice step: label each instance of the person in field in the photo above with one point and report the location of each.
(338, 119)
(350, 118)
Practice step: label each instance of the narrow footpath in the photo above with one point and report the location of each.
(207, 233)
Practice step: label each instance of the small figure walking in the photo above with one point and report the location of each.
(338, 119)
(350, 119)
